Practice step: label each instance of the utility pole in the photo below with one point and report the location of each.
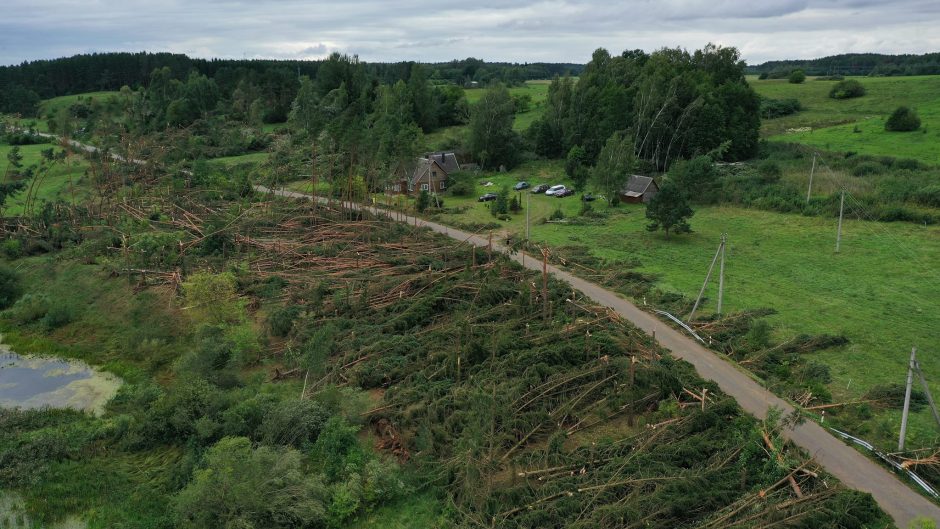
(527, 195)
(923, 382)
(839, 231)
(721, 272)
(907, 398)
(707, 277)
(811, 171)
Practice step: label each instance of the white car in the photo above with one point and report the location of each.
(555, 189)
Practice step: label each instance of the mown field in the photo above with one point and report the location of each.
(882, 291)
(857, 125)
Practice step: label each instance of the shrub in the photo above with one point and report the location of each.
(867, 168)
(929, 196)
(775, 108)
(903, 119)
(763, 76)
(907, 163)
(770, 170)
(281, 320)
(10, 289)
(847, 89)
(58, 315)
(558, 214)
(424, 200)
(796, 77)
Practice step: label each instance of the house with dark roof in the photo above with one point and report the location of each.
(639, 189)
(429, 174)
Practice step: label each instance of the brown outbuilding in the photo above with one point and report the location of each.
(639, 189)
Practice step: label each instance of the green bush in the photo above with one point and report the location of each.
(903, 119)
(12, 248)
(281, 320)
(775, 108)
(847, 89)
(867, 168)
(30, 308)
(770, 170)
(558, 214)
(929, 196)
(796, 77)
(10, 289)
(58, 315)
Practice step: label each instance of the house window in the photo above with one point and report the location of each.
(434, 174)
(397, 187)
(443, 185)
(424, 187)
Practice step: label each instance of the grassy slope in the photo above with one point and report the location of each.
(881, 291)
(833, 120)
(58, 184)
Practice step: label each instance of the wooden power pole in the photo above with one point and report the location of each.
(721, 272)
(809, 189)
(907, 398)
(839, 230)
(711, 267)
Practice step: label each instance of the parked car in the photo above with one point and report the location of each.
(564, 193)
(541, 188)
(587, 197)
(555, 189)
(487, 197)
(520, 186)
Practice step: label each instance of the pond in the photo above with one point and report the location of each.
(30, 382)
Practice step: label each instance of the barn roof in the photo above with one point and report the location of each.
(637, 185)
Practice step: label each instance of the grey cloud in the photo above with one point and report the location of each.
(519, 30)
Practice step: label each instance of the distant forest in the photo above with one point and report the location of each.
(873, 64)
(23, 85)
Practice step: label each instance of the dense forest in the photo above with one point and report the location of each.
(22, 85)
(854, 64)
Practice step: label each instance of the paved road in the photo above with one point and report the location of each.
(844, 462)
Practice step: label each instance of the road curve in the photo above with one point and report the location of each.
(842, 461)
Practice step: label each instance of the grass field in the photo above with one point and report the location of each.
(833, 122)
(64, 181)
(882, 291)
(537, 90)
(231, 161)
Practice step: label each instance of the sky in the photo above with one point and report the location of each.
(441, 30)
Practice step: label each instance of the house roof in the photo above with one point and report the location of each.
(423, 167)
(447, 160)
(637, 185)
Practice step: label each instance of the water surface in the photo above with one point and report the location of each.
(31, 382)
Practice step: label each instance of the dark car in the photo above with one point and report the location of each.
(520, 186)
(541, 188)
(564, 193)
(587, 197)
(487, 197)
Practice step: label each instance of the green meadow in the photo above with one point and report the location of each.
(857, 125)
(63, 182)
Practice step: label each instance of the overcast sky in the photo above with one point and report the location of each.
(509, 30)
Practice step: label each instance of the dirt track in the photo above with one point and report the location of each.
(844, 462)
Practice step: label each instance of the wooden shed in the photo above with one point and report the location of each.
(639, 189)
